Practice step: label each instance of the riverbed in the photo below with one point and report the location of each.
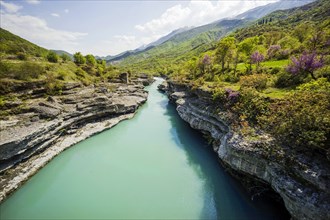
(153, 166)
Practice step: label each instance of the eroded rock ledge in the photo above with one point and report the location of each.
(46, 126)
(302, 182)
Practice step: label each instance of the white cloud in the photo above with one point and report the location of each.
(172, 16)
(66, 11)
(36, 30)
(55, 15)
(120, 43)
(10, 7)
(33, 2)
(197, 13)
(194, 13)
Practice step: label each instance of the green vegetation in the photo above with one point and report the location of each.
(12, 44)
(23, 61)
(179, 49)
(52, 57)
(272, 75)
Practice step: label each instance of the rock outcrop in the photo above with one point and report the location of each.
(40, 127)
(302, 182)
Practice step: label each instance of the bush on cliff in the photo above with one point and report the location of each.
(301, 120)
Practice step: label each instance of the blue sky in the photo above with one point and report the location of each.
(109, 27)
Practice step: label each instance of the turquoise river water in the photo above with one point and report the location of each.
(153, 166)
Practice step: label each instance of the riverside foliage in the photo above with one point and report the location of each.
(272, 75)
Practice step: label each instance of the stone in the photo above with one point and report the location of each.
(306, 194)
(30, 140)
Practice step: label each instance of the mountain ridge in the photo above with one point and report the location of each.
(215, 26)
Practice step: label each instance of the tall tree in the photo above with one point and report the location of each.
(224, 50)
(247, 47)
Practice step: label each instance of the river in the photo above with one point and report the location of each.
(153, 166)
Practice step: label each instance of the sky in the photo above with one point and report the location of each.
(109, 27)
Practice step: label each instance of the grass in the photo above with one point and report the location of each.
(275, 63)
(267, 64)
(276, 93)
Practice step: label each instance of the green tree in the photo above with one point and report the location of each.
(90, 60)
(79, 58)
(247, 47)
(289, 43)
(52, 57)
(224, 50)
(302, 31)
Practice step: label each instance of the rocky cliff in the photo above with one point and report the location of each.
(302, 182)
(37, 128)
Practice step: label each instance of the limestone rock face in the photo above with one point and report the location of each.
(46, 126)
(302, 182)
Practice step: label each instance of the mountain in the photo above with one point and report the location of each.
(210, 32)
(13, 44)
(188, 43)
(145, 47)
(167, 37)
(193, 40)
(261, 11)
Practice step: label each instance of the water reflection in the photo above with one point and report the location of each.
(224, 197)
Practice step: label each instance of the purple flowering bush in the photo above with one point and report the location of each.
(257, 58)
(273, 50)
(305, 64)
(206, 60)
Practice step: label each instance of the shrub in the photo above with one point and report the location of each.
(21, 56)
(4, 69)
(28, 70)
(90, 60)
(229, 77)
(52, 57)
(251, 105)
(226, 97)
(275, 70)
(256, 81)
(79, 58)
(285, 79)
(219, 95)
(301, 120)
(65, 57)
(53, 86)
(81, 73)
(321, 84)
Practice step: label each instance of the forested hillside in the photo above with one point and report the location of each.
(20, 61)
(24, 65)
(180, 48)
(273, 75)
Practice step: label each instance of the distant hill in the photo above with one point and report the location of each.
(61, 52)
(144, 48)
(184, 44)
(13, 44)
(316, 12)
(261, 11)
(167, 37)
(188, 43)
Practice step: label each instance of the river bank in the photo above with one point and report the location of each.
(47, 125)
(301, 182)
(153, 166)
